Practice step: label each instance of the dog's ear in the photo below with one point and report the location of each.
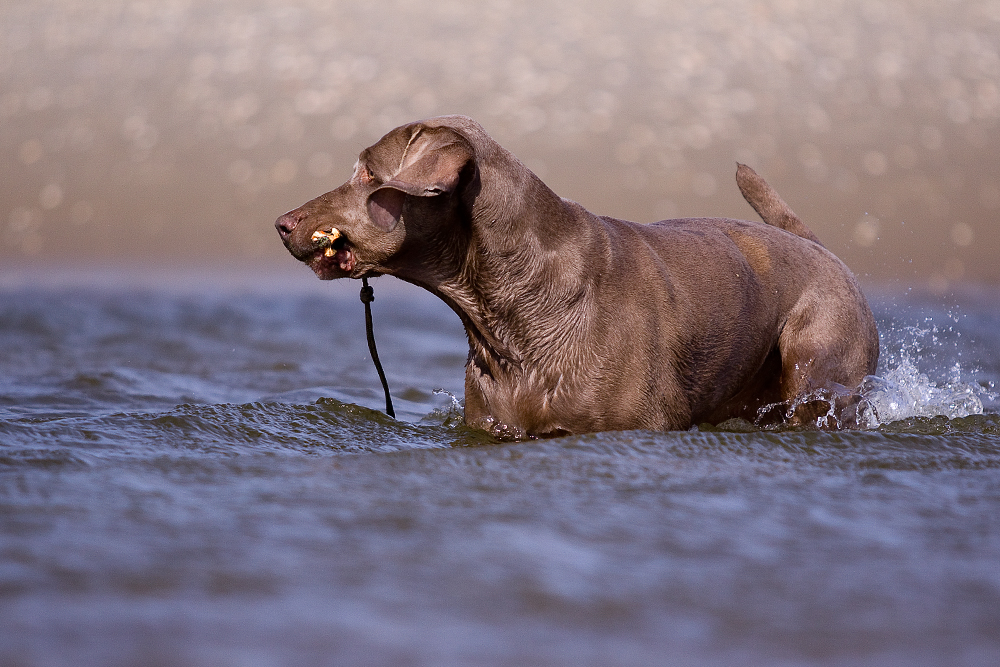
(431, 165)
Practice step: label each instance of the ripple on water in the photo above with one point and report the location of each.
(332, 427)
(326, 426)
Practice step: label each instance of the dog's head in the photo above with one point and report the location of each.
(409, 197)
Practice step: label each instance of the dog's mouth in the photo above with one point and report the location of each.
(333, 256)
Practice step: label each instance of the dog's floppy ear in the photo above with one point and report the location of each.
(431, 165)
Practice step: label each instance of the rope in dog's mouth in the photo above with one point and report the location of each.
(331, 241)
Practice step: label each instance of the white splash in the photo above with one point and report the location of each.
(904, 391)
(451, 414)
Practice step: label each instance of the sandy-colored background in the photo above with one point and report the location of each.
(175, 131)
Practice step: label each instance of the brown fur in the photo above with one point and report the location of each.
(581, 323)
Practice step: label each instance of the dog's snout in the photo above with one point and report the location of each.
(286, 223)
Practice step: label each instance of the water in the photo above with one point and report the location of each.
(194, 471)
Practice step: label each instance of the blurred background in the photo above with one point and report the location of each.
(173, 132)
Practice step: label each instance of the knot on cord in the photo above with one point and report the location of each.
(367, 294)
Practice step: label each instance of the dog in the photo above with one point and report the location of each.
(580, 323)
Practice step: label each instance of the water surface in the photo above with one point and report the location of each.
(194, 470)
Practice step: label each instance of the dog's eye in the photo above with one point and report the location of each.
(367, 174)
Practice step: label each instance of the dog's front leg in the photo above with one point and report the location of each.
(478, 413)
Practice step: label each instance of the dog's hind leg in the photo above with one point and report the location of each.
(828, 345)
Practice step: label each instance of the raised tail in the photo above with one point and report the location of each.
(769, 206)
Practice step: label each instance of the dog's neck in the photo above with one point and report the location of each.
(513, 277)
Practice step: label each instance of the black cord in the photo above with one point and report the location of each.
(367, 296)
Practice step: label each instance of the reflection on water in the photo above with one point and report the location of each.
(136, 129)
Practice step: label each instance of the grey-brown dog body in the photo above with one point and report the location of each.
(580, 323)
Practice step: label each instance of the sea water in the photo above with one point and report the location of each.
(196, 470)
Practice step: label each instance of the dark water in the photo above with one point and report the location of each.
(193, 471)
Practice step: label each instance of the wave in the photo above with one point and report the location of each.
(327, 426)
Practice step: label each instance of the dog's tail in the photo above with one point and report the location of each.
(769, 206)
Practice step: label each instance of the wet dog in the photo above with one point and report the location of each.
(580, 323)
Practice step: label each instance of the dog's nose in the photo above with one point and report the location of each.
(286, 223)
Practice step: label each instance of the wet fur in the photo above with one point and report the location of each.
(580, 323)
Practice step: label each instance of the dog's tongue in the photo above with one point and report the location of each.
(345, 259)
(342, 255)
